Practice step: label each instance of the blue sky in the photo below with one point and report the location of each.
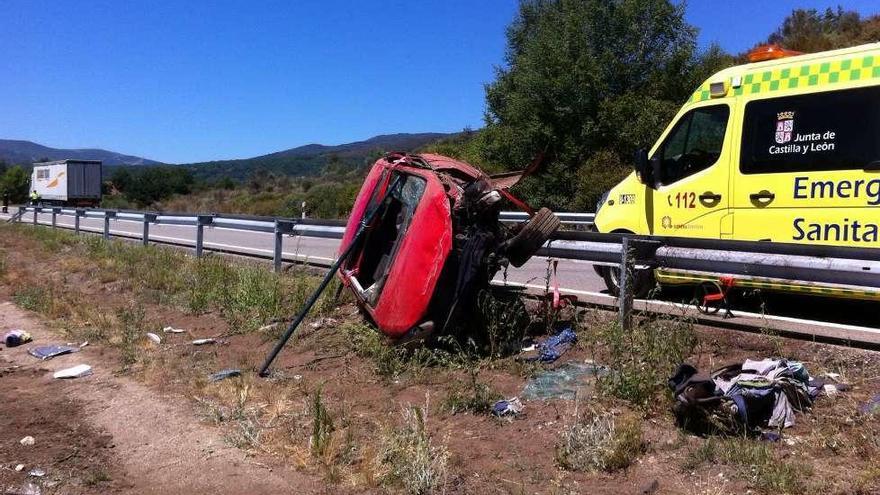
(186, 80)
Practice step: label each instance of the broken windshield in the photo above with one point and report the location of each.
(383, 241)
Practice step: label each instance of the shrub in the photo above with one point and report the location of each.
(471, 395)
(644, 356)
(596, 441)
(414, 460)
(132, 329)
(322, 427)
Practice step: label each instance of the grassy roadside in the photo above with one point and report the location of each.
(367, 416)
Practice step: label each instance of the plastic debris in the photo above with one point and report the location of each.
(50, 351)
(555, 346)
(323, 322)
(204, 341)
(224, 374)
(770, 436)
(27, 441)
(172, 330)
(564, 382)
(17, 337)
(77, 371)
(872, 406)
(155, 338)
(37, 472)
(507, 407)
(19, 468)
(26, 489)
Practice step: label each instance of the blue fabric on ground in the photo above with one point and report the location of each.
(551, 349)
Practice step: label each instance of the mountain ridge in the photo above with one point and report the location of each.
(23, 152)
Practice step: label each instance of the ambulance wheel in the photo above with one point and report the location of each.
(643, 281)
(531, 237)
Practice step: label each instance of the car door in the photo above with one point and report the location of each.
(809, 169)
(692, 197)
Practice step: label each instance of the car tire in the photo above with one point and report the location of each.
(531, 237)
(643, 281)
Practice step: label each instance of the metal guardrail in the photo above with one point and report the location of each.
(578, 219)
(279, 227)
(853, 268)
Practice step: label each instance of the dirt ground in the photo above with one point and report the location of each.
(159, 425)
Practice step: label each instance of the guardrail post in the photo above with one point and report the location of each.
(107, 216)
(79, 214)
(55, 212)
(200, 232)
(281, 227)
(37, 209)
(148, 218)
(625, 300)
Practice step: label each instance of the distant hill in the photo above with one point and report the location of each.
(312, 159)
(27, 152)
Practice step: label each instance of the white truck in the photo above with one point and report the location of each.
(68, 182)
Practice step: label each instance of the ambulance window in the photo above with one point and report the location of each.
(694, 144)
(832, 130)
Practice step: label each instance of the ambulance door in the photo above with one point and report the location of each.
(693, 195)
(809, 170)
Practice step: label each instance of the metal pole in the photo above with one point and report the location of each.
(76, 217)
(276, 254)
(625, 300)
(147, 219)
(200, 238)
(281, 227)
(200, 232)
(106, 225)
(54, 216)
(36, 209)
(367, 220)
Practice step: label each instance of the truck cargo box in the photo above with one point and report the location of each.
(68, 182)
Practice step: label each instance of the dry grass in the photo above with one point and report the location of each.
(599, 441)
(759, 463)
(412, 458)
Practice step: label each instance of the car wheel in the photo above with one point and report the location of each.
(643, 281)
(531, 237)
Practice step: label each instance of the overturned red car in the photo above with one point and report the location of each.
(424, 236)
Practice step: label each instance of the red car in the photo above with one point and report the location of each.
(432, 239)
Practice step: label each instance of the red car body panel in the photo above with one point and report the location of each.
(421, 255)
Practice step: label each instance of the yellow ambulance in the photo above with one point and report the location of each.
(784, 149)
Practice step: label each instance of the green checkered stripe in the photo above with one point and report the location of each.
(818, 74)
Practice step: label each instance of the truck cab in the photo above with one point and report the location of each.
(785, 149)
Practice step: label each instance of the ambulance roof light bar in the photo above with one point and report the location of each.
(770, 52)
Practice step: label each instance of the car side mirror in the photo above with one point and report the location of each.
(647, 170)
(656, 172)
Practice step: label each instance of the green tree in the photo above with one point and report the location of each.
(588, 76)
(809, 30)
(16, 181)
(147, 185)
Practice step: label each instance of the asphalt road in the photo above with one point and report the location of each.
(836, 319)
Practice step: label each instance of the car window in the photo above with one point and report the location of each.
(832, 130)
(694, 144)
